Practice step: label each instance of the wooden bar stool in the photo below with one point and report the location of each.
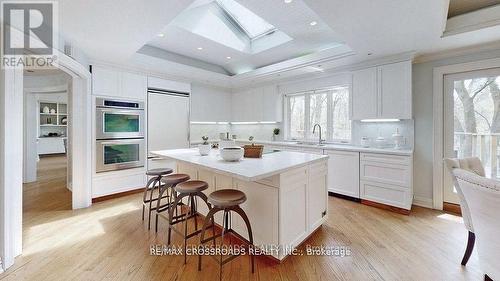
(153, 183)
(191, 190)
(166, 191)
(226, 200)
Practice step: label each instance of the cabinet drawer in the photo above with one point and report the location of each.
(385, 158)
(396, 174)
(386, 194)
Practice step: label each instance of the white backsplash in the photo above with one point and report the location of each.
(258, 131)
(265, 131)
(212, 131)
(385, 130)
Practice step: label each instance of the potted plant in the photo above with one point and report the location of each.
(205, 147)
(276, 132)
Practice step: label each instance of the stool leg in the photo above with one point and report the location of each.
(208, 218)
(161, 191)
(146, 189)
(177, 199)
(188, 213)
(193, 210)
(249, 229)
(225, 220)
(150, 199)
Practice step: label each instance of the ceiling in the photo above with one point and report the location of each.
(365, 29)
(459, 7)
(294, 21)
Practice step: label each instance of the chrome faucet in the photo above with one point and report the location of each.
(314, 130)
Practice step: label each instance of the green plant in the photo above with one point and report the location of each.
(205, 139)
(250, 138)
(276, 131)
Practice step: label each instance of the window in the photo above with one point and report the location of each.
(253, 25)
(327, 107)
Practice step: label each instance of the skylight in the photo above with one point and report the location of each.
(253, 25)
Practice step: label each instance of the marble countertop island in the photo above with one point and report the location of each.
(287, 196)
(248, 169)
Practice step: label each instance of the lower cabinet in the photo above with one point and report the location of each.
(386, 179)
(51, 146)
(283, 209)
(343, 172)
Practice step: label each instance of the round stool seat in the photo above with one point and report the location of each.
(227, 198)
(174, 179)
(159, 172)
(191, 186)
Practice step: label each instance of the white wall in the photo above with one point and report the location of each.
(422, 108)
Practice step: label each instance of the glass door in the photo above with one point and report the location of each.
(472, 122)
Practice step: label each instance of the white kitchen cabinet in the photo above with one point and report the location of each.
(262, 210)
(105, 82)
(387, 179)
(134, 86)
(210, 104)
(119, 84)
(272, 104)
(257, 104)
(169, 85)
(395, 90)
(51, 145)
(343, 172)
(382, 92)
(246, 106)
(317, 194)
(364, 94)
(293, 222)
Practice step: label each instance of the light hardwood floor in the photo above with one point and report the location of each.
(110, 242)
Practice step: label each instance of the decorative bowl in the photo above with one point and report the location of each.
(231, 154)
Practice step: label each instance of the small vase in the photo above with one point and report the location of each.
(204, 149)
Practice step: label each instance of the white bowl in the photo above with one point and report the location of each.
(231, 154)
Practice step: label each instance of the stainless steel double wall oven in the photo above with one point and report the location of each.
(119, 134)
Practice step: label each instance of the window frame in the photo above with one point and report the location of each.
(307, 114)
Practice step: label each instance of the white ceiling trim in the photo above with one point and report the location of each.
(338, 52)
(476, 20)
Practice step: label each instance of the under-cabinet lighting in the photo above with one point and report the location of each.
(379, 120)
(223, 123)
(203, 123)
(268, 122)
(244, 123)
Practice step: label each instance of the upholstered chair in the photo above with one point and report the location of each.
(483, 199)
(473, 165)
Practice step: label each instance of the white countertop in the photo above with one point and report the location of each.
(248, 169)
(345, 147)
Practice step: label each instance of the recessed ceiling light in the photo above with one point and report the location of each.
(288, 1)
(228, 58)
(161, 35)
(199, 48)
(313, 23)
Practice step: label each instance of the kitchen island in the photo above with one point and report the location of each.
(286, 193)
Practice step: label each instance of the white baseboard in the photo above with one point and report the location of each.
(1, 266)
(423, 202)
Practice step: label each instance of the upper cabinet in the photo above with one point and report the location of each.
(115, 83)
(364, 94)
(262, 104)
(210, 104)
(382, 92)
